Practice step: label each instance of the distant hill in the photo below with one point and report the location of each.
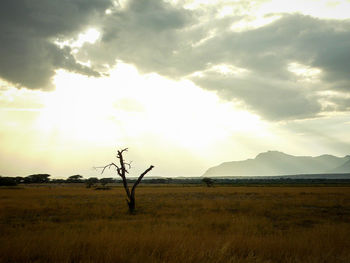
(344, 168)
(278, 163)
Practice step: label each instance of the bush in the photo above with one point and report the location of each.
(8, 181)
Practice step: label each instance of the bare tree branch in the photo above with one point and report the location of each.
(123, 150)
(121, 170)
(107, 166)
(128, 164)
(139, 179)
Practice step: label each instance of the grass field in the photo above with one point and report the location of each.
(175, 224)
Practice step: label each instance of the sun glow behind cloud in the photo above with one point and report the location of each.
(91, 35)
(128, 105)
(338, 9)
(170, 122)
(255, 14)
(304, 72)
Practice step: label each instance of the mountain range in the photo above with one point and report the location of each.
(278, 163)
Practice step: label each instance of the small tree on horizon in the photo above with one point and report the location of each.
(122, 171)
(105, 181)
(36, 179)
(91, 181)
(75, 179)
(208, 181)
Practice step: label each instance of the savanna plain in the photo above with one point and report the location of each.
(64, 223)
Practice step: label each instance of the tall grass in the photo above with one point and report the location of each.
(176, 224)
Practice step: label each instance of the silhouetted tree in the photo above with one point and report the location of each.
(169, 180)
(7, 181)
(122, 171)
(37, 179)
(75, 179)
(208, 181)
(105, 181)
(19, 179)
(58, 181)
(91, 181)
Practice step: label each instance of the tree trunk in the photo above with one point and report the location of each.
(121, 172)
(131, 204)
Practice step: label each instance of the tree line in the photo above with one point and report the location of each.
(45, 179)
(94, 181)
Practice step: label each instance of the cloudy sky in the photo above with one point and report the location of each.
(183, 84)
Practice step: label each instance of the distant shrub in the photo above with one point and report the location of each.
(208, 181)
(105, 181)
(8, 181)
(103, 188)
(91, 181)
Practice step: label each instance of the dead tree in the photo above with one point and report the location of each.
(122, 171)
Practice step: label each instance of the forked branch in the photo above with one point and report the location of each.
(139, 179)
(121, 170)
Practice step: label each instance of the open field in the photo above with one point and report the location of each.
(175, 224)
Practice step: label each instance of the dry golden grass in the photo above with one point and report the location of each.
(176, 224)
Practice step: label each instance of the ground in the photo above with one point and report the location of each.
(175, 224)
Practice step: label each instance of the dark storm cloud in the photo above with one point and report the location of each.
(146, 33)
(270, 89)
(157, 36)
(163, 38)
(27, 31)
(272, 99)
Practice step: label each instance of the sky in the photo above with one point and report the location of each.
(183, 84)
